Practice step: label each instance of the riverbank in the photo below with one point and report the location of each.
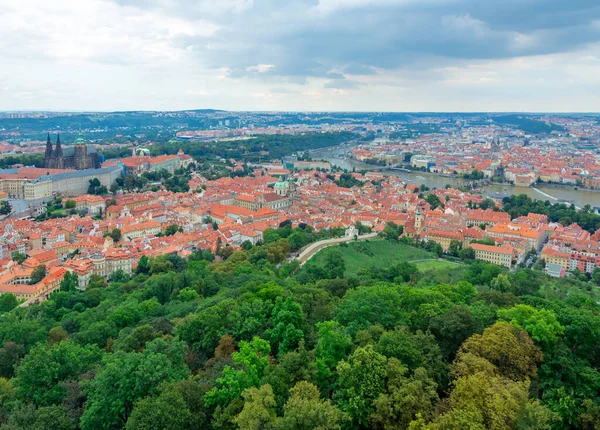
(337, 157)
(551, 196)
(567, 187)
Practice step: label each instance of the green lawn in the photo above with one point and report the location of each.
(424, 266)
(377, 253)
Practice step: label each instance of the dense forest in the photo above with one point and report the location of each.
(256, 148)
(111, 121)
(528, 125)
(245, 340)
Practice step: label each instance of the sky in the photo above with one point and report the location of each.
(300, 55)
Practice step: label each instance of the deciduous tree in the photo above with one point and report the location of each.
(39, 376)
(541, 325)
(508, 348)
(166, 411)
(361, 382)
(405, 398)
(306, 411)
(259, 409)
(128, 377)
(251, 361)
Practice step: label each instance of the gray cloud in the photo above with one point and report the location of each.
(300, 54)
(304, 38)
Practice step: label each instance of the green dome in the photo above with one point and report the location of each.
(280, 185)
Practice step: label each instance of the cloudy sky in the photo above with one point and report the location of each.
(349, 55)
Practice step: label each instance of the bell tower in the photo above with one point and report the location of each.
(419, 218)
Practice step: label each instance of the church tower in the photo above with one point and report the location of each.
(291, 189)
(281, 187)
(80, 154)
(418, 220)
(48, 153)
(58, 154)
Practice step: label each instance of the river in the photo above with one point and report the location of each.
(580, 198)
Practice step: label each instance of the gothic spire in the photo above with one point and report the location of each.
(48, 147)
(58, 150)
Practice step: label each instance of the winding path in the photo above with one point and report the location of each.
(313, 248)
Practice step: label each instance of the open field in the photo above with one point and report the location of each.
(376, 253)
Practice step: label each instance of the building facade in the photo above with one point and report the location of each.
(77, 157)
(77, 183)
(501, 255)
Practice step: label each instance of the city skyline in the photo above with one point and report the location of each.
(327, 55)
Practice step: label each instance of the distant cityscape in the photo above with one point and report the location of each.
(75, 193)
(300, 215)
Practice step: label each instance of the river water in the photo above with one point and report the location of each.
(337, 157)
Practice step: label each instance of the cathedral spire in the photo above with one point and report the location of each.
(48, 147)
(58, 154)
(58, 150)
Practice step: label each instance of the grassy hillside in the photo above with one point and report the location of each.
(378, 253)
(426, 265)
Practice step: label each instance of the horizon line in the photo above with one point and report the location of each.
(55, 111)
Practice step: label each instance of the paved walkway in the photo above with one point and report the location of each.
(313, 248)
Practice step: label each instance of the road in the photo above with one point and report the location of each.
(313, 248)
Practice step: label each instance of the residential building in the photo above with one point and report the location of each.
(501, 255)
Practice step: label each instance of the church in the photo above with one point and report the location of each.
(76, 157)
(283, 197)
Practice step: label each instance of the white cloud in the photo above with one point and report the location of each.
(298, 54)
(94, 30)
(330, 6)
(261, 68)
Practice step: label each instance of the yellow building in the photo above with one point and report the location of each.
(563, 259)
(444, 238)
(501, 255)
(37, 189)
(17, 282)
(13, 186)
(141, 229)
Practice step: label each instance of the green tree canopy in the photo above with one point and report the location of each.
(306, 411)
(38, 274)
(361, 382)
(128, 377)
(115, 234)
(287, 321)
(251, 361)
(165, 411)
(8, 301)
(542, 325)
(259, 409)
(406, 398)
(506, 348)
(39, 375)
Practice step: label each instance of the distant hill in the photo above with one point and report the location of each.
(527, 125)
